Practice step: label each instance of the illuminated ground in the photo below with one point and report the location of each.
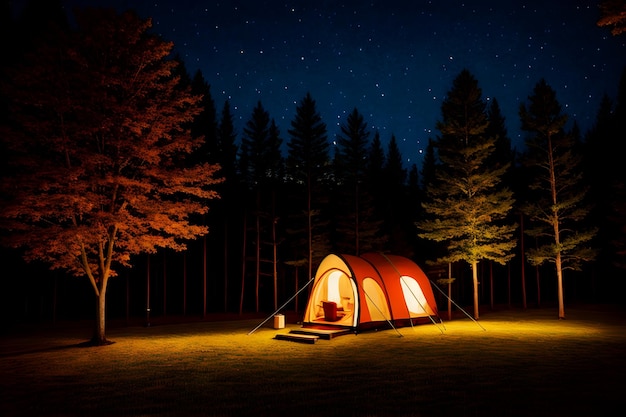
(524, 363)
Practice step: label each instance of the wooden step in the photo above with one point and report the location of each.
(322, 333)
(295, 337)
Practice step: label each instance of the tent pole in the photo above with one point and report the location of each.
(281, 307)
(458, 306)
(382, 314)
(414, 296)
(422, 306)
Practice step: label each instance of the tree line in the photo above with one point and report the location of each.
(115, 156)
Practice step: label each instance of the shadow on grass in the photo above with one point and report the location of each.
(85, 344)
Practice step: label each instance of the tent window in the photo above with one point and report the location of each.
(375, 300)
(413, 295)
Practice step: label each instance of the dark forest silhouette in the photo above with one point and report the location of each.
(279, 213)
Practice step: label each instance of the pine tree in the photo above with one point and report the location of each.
(465, 206)
(557, 203)
(502, 155)
(99, 129)
(308, 167)
(261, 140)
(396, 218)
(228, 208)
(205, 124)
(353, 207)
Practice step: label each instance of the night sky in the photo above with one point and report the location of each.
(392, 60)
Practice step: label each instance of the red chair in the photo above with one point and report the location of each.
(330, 311)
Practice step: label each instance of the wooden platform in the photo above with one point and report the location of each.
(296, 337)
(321, 333)
(310, 335)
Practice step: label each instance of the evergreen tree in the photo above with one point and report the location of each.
(466, 206)
(502, 155)
(228, 213)
(205, 124)
(557, 203)
(353, 207)
(396, 211)
(429, 165)
(226, 147)
(264, 166)
(255, 140)
(618, 203)
(308, 167)
(375, 181)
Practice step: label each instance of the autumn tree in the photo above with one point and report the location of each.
(98, 128)
(466, 204)
(557, 204)
(613, 15)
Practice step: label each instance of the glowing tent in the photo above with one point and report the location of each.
(369, 291)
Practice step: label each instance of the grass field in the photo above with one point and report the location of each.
(525, 363)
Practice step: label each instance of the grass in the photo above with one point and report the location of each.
(524, 363)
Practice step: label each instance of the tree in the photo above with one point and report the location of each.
(613, 14)
(98, 126)
(502, 155)
(261, 141)
(466, 204)
(397, 224)
(307, 162)
(558, 201)
(205, 124)
(352, 208)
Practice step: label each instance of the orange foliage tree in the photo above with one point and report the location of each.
(98, 135)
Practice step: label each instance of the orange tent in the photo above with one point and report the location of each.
(373, 290)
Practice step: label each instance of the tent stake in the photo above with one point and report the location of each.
(281, 307)
(458, 306)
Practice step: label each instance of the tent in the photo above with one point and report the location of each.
(370, 291)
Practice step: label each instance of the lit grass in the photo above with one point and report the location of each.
(524, 363)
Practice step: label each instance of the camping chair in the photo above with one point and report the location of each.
(330, 311)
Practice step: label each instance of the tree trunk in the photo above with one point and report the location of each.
(226, 265)
(148, 290)
(508, 283)
(523, 261)
(310, 228)
(99, 337)
(475, 282)
(204, 275)
(491, 284)
(559, 277)
(297, 288)
(185, 283)
(243, 262)
(164, 284)
(449, 291)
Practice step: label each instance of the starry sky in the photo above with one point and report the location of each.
(392, 60)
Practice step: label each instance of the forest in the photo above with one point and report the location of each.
(148, 183)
